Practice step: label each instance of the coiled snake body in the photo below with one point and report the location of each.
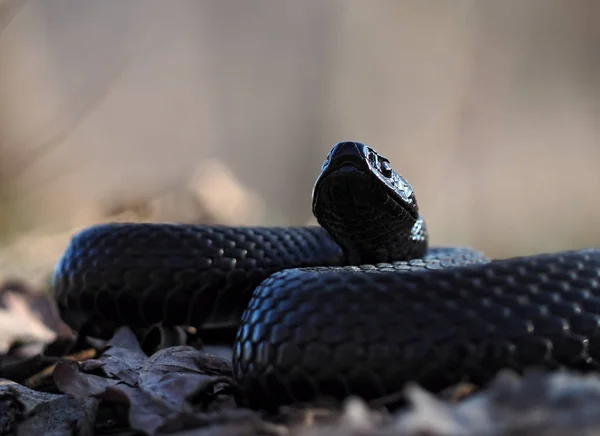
(358, 306)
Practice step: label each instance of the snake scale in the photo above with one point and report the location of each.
(359, 305)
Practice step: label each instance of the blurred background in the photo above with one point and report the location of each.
(223, 110)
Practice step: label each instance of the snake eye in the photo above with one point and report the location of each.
(372, 156)
(385, 167)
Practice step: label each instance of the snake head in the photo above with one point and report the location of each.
(355, 157)
(366, 206)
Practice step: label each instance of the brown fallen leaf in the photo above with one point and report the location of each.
(37, 379)
(70, 379)
(40, 306)
(24, 411)
(19, 370)
(20, 323)
(184, 373)
(32, 335)
(122, 358)
(167, 392)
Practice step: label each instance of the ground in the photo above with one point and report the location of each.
(168, 382)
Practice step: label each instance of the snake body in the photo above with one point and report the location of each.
(359, 305)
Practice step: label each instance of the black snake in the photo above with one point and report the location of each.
(356, 306)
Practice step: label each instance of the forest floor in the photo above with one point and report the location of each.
(53, 383)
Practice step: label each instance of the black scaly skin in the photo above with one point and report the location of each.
(143, 274)
(338, 333)
(315, 326)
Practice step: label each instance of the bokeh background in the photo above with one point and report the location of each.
(223, 110)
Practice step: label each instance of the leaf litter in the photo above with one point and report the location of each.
(53, 383)
(165, 392)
